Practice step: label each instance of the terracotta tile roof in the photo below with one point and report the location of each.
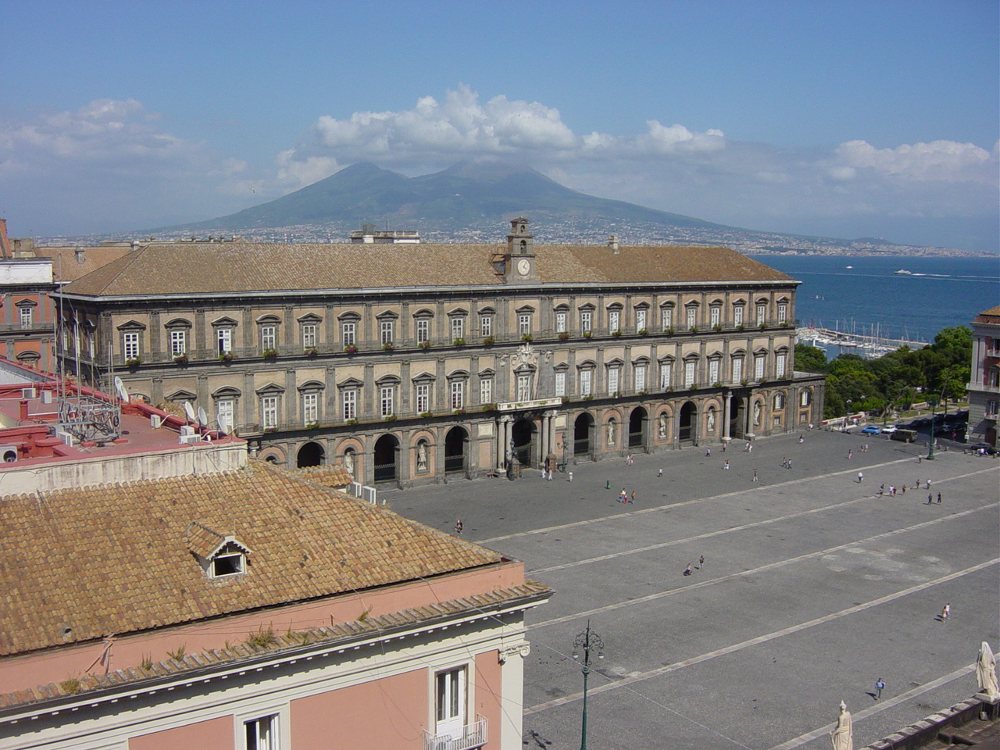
(232, 267)
(991, 313)
(334, 477)
(67, 267)
(78, 564)
(281, 641)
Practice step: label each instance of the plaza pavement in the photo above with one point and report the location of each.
(812, 588)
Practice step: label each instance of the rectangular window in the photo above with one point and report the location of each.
(178, 342)
(385, 328)
(614, 321)
(666, 318)
(457, 328)
(782, 312)
(758, 367)
(349, 404)
(779, 365)
(737, 369)
(715, 315)
(224, 338)
(524, 387)
(387, 400)
(485, 325)
(689, 373)
(423, 398)
(310, 408)
(524, 324)
(761, 311)
(309, 338)
(713, 371)
(585, 382)
(692, 316)
(560, 384)
(560, 322)
(666, 375)
(130, 345)
(486, 391)
(262, 733)
(457, 390)
(27, 315)
(450, 700)
(225, 410)
(738, 315)
(349, 333)
(423, 330)
(639, 373)
(269, 412)
(613, 373)
(586, 321)
(640, 319)
(268, 337)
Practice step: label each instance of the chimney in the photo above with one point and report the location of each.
(80, 255)
(4, 242)
(613, 243)
(24, 410)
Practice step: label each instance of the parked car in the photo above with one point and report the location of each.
(871, 429)
(889, 429)
(983, 448)
(904, 436)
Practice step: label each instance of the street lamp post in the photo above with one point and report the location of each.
(847, 416)
(588, 641)
(930, 449)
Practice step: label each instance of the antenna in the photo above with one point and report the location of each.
(223, 423)
(189, 411)
(121, 390)
(202, 417)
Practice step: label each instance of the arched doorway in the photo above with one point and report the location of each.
(583, 434)
(637, 422)
(455, 443)
(310, 454)
(386, 459)
(523, 439)
(738, 419)
(686, 432)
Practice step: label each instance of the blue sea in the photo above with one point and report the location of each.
(865, 294)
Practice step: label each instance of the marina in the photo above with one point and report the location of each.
(869, 346)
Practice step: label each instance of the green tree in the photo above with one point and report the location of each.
(810, 358)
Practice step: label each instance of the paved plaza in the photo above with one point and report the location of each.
(813, 586)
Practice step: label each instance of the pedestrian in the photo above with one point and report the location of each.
(569, 476)
(861, 477)
(633, 497)
(755, 476)
(930, 498)
(802, 439)
(459, 525)
(623, 496)
(939, 498)
(850, 454)
(881, 488)
(725, 466)
(659, 472)
(708, 452)
(724, 447)
(946, 612)
(689, 569)
(928, 484)
(904, 489)
(788, 465)
(879, 687)
(701, 561)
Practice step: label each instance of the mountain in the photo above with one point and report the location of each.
(464, 195)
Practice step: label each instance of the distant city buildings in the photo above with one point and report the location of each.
(406, 364)
(984, 385)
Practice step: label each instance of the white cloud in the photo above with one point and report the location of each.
(947, 161)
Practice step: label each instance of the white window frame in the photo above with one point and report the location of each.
(586, 382)
(349, 332)
(178, 342)
(523, 386)
(268, 337)
(761, 313)
(225, 410)
(805, 398)
(666, 318)
(640, 319)
(310, 407)
(691, 316)
(309, 336)
(690, 372)
(349, 403)
(278, 721)
(639, 377)
(422, 397)
(713, 370)
(738, 311)
(387, 400)
(560, 321)
(224, 340)
(239, 567)
(586, 321)
(780, 360)
(614, 321)
(666, 375)
(759, 362)
(270, 405)
(486, 390)
(386, 331)
(560, 383)
(485, 325)
(456, 393)
(451, 700)
(423, 329)
(782, 312)
(26, 315)
(524, 324)
(457, 327)
(614, 380)
(130, 345)
(738, 368)
(715, 315)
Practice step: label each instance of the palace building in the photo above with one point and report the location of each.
(407, 363)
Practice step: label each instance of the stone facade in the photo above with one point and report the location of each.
(984, 385)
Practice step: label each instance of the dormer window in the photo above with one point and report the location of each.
(220, 555)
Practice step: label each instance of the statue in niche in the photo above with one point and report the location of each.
(611, 433)
(711, 420)
(662, 430)
(421, 456)
(842, 736)
(349, 462)
(756, 413)
(986, 672)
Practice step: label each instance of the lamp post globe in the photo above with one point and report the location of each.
(586, 642)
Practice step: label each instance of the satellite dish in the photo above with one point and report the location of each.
(189, 410)
(121, 389)
(202, 417)
(223, 424)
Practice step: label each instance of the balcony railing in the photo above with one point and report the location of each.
(473, 735)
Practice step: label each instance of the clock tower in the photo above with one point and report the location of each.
(520, 256)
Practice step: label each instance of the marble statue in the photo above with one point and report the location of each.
(611, 433)
(711, 420)
(842, 735)
(986, 672)
(349, 462)
(663, 425)
(756, 413)
(421, 456)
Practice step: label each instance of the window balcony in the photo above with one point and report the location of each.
(473, 736)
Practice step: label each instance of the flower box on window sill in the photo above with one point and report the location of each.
(488, 407)
(669, 330)
(458, 342)
(527, 338)
(458, 411)
(387, 346)
(717, 328)
(133, 362)
(489, 341)
(312, 352)
(312, 425)
(424, 344)
(389, 418)
(716, 384)
(642, 332)
(270, 354)
(426, 414)
(351, 349)
(350, 422)
(693, 329)
(741, 327)
(762, 326)
(616, 334)
(180, 359)
(226, 357)
(588, 334)
(744, 381)
(563, 336)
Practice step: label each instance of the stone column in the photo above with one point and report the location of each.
(727, 403)
(508, 435)
(501, 449)
(545, 437)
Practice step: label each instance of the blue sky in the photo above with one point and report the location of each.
(839, 118)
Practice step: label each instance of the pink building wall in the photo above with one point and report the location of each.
(489, 696)
(386, 713)
(214, 733)
(63, 663)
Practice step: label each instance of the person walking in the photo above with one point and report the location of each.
(701, 561)
(946, 612)
(633, 497)
(939, 498)
(708, 452)
(569, 476)
(861, 477)
(459, 526)
(659, 472)
(725, 466)
(689, 569)
(930, 498)
(879, 687)
(755, 479)
(623, 496)
(850, 455)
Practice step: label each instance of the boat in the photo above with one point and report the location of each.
(849, 267)
(904, 272)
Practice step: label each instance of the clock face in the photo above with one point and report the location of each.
(523, 266)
